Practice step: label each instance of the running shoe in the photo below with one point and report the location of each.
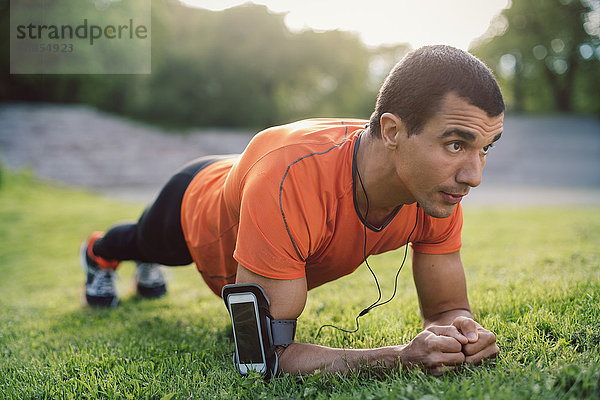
(99, 276)
(150, 280)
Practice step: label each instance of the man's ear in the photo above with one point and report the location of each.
(392, 128)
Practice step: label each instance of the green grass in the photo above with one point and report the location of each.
(533, 278)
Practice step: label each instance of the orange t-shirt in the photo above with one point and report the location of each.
(285, 209)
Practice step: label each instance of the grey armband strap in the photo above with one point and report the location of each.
(283, 331)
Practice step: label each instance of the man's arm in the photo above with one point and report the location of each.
(442, 290)
(434, 349)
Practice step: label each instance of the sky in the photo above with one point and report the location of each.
(378, 22)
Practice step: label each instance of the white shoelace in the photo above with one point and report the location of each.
(102, 284)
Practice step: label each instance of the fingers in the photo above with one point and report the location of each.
(484, 348)
(478, 343)
(442, 362)
(468, 327)
(441, 349)
(447, 344)
(450, 331)
(487, 353)
(486, 339)
(432, 352)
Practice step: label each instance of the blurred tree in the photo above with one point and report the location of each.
(238, 67)
(546, 54)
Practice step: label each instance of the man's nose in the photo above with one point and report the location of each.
(470, 171)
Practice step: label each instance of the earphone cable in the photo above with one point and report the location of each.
(366, 310)
(401, 265)
(376, 303)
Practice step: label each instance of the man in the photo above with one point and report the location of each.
(307, 202)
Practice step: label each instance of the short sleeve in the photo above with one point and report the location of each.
(440, 235)
(279, 219)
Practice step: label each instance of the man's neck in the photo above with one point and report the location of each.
(376, 168)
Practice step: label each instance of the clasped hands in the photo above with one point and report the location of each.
(442, 348)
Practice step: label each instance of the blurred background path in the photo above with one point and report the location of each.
(540, 160)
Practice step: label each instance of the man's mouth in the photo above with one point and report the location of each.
(453, 198)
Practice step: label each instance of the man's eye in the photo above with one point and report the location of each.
(487, 148)
(454, 147)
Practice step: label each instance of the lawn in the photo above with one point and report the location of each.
(533, 276)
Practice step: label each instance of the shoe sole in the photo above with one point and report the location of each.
(151, 292)
(100, 302)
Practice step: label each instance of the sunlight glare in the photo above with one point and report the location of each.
(381, 22)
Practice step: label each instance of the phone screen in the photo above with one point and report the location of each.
(246, 333)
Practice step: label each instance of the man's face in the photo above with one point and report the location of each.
(440, 164)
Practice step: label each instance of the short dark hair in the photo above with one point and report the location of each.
(415, 87)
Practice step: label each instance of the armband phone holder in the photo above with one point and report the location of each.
(274, 332)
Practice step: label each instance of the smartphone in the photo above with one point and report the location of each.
(249, 349)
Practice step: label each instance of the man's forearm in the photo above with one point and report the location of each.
(303, 358)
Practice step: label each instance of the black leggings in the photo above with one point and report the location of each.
(157, 237)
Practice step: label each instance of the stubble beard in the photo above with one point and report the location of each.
(435, 208)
